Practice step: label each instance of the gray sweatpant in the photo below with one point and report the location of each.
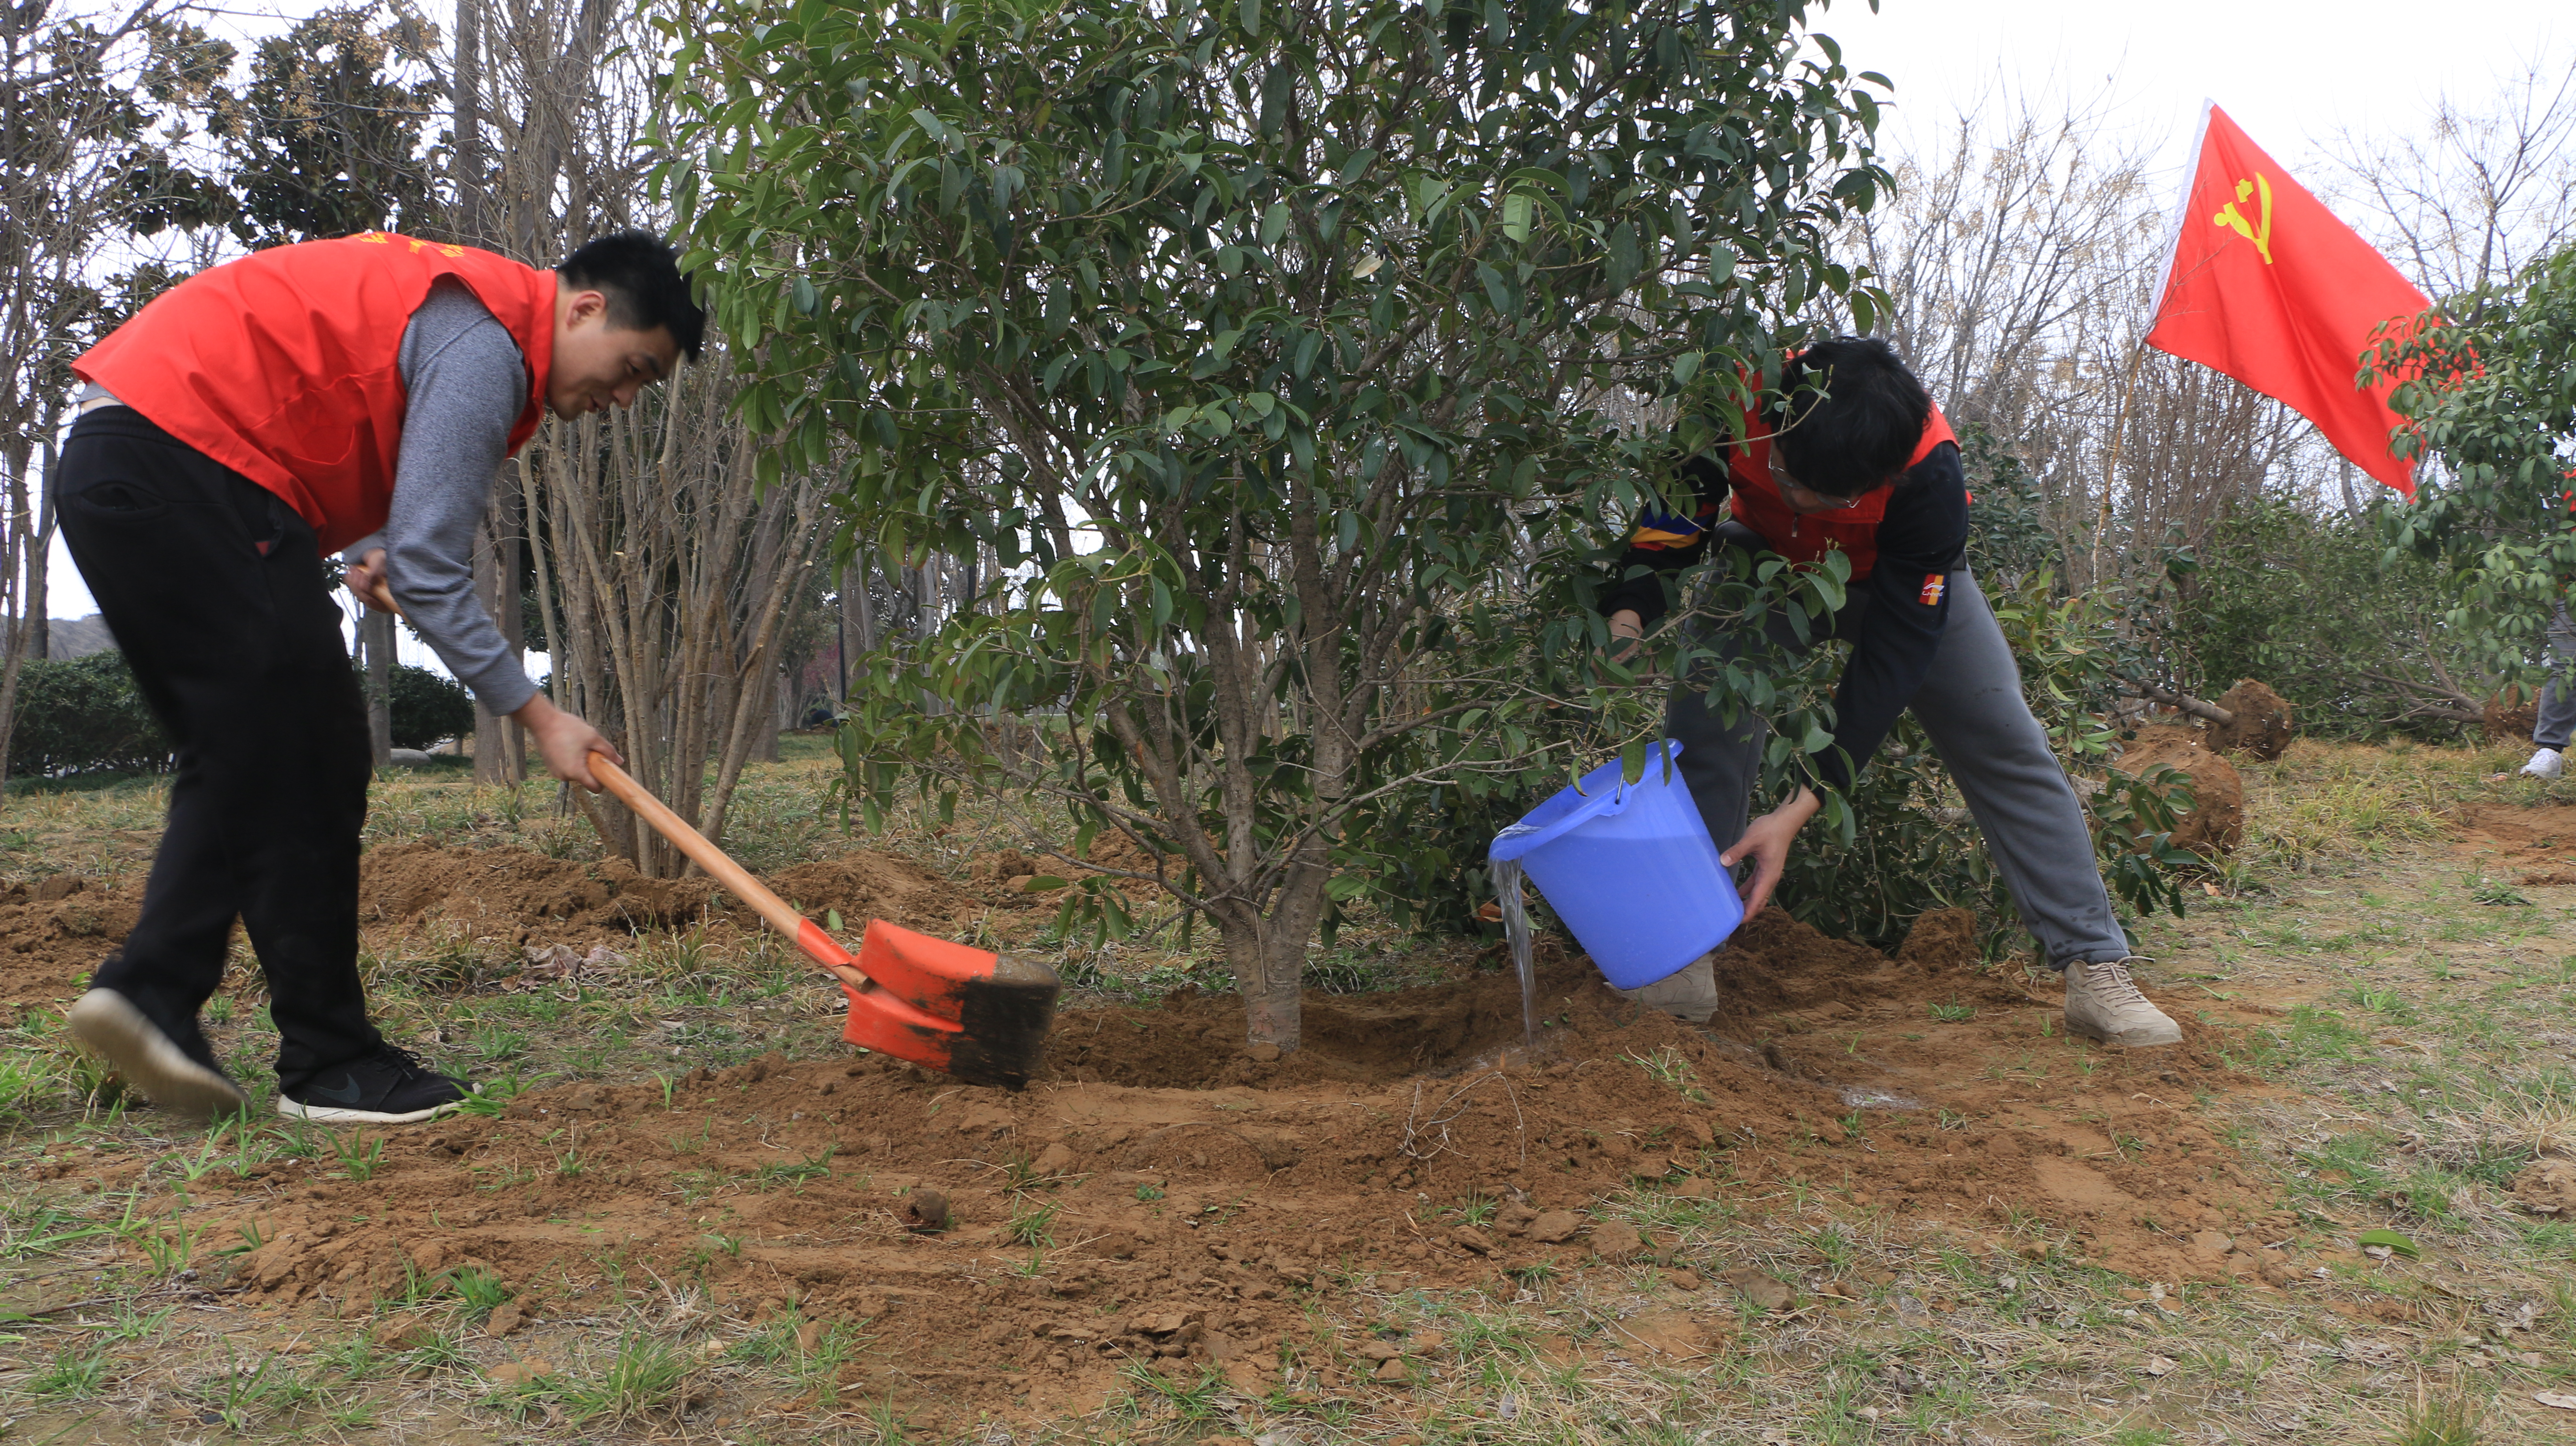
(2557, 700)
(1971, 705)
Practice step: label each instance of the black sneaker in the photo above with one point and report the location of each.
(181, 1077)
(388, 1087)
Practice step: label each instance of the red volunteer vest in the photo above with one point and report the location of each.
(1854, 530)
(283, 365)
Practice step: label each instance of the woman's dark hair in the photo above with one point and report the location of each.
(1851, 417)
(640, 275)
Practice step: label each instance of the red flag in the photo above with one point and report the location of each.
(2268, 287)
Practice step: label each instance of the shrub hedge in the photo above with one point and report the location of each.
(84, 715)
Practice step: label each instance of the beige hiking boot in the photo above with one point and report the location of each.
(2103, 1002)
(1689, 995)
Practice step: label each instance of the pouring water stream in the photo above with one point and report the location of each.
(1516, 932)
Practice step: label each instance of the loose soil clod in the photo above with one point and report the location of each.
(926, 1211)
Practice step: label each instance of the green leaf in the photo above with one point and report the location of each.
(1516, 216)
(1274, 224)
(2390, 1240)
(1686, 366)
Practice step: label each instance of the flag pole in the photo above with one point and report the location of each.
(2138, 349)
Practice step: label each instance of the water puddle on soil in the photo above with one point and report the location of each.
(1516, 932)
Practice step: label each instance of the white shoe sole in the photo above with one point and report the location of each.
(339, 1115)
(109, 1023)
(2155, 1039)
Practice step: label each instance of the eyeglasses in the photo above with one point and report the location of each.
(1780, 475)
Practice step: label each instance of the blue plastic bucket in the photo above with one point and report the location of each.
(1629, 868)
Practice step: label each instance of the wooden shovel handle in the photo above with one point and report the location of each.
(715, 861)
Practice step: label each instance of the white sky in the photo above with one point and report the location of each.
(2294, 74)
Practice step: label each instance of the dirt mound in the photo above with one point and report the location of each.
(1941, 940)
(504, 892)
(53, 933)
(870, 885)
(2263, 726)
(2216, 821)
(513, 892)
(1163, 1195)
(2547, 1187)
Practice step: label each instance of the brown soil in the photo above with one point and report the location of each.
(2511, 716)
(2538, 841)
(2216, 822)
(1204, 1196)
(2263, 727)
(514, 894)
(54, 933)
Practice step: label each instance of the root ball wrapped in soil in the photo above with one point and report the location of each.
(2262, 727)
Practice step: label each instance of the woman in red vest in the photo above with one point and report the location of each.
(1859, 460)
(353, 395)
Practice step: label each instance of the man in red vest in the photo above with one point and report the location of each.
(1859, 460)
(353, 395)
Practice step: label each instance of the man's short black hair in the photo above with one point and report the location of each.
(640, 275)
(1855, 437)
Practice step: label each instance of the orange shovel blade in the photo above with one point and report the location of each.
(981, 1016)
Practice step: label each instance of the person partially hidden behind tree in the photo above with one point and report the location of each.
(1858, 458)
(2556, 715)
(355, 395)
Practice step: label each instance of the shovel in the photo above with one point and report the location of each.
(980, 1016)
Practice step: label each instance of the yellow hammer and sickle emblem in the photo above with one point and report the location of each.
(2228, 215)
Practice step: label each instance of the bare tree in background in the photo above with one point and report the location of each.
(92, 105)
(667, 581)
(2023, 260)
(2480, 196)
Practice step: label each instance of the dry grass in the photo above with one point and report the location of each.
(2327, 803)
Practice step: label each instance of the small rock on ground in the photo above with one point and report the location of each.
(1555, 1227)
(1759, 1288)
(1616, 1240)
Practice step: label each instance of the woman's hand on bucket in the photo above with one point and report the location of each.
(1766, 842)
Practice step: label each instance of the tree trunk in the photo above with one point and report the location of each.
(376, 645)
(40, 642)
(509, 535)
(858, 606)
(491, 752)
(1272, 989)
(19, 627)
(467, 156)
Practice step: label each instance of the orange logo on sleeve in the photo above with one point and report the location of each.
(1934, 584)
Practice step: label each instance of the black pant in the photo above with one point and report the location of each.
(215, 591)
